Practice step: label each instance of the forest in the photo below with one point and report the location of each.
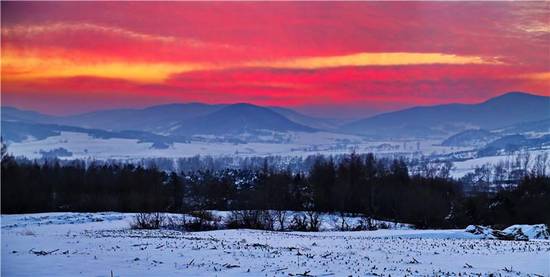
(379, 188)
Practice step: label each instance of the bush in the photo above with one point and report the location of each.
(201, 221)
(314, 221)
(251, 219)
(280, 218)
(203, 215)
(298, 223)
(148, 221)
(365, 224)
(308, 222)
(383, 225)
(340, 222)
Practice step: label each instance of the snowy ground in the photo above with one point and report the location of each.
(101, 243)
(464, 167)
(83, 146)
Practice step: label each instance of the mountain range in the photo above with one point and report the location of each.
(179, 122)
(444, 120)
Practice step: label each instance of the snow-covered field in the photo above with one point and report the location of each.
(463, 167)
(83, 146)
(80, 244)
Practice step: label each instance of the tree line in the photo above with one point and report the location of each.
(380, 188)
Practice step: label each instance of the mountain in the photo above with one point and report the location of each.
(14, 114)
(19, 131)
(513, 143)
(444, 120)
(161, 125)
(238, 119)
(314, 122)
(470, 137)
(164, 119)
(157, 119)
(509, 112)
(539, 126)
(480, 137)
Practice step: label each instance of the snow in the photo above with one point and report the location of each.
(96, 244)
(329, 222)
(539, 231)
(480, 231)
(298, 144)
(484, 232)
(460, 169)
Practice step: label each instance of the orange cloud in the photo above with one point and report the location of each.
(28, 68)
(377, 59)
(24, 66)
(538, 76)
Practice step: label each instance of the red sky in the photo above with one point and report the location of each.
(331, 59)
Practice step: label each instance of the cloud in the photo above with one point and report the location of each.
(375, 59)
(537, 76)
(27, 68)
(51, 28)
(283, 53)
(22, 66)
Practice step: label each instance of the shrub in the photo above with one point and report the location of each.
(203, 215)
(383, 225)
(309, 221)
(280, 218)
(298, 223)
(148, 221)
(365, 224)
(200, 221)
(314, 221)
(340, 222)
(251, 219)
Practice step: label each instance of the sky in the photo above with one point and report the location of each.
(339, 59)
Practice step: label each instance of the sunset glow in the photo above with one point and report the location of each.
(370, 56)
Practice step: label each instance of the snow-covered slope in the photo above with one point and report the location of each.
(101, 244)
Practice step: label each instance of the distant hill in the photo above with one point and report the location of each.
(313, 122)
(158, 119)
(14, 114)
(506, 114)
(166, 119)
(539, 126)
(480, 137)
(238, 119)
(513, 143)
(158, 124)
(444, 120)
(19, 131)
(473, 137)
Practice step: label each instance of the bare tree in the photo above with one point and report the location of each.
(280, 217)
(539, 165)
(445, 170)
(4, 149)
(313, 220)
(148, 221)
(428, 168)
(344, 226)
(522, 160)
(499, 172)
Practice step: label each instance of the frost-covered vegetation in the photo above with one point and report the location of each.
(96, 244)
